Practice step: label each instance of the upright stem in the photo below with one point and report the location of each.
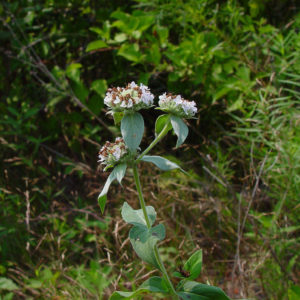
(157, 256)
(155, 141)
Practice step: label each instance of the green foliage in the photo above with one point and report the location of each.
(196, 291)
(161, 162)
(239, 60)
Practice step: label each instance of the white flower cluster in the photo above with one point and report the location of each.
(176, 105)
(111, 153)
(133, 96)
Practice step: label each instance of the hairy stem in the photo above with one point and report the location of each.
(157, 256)
(155, 141)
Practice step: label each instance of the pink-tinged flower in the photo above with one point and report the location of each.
(111, 153)
(132, 97)
(175, 104)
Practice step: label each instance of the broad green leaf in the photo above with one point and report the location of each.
(130, 52)
(180, 129)
(136, 217)
(143, 241)
(132, 128)
(160, 123)
(7, 284)
(195, 290)
(162, 163)
(154, 284)
(95, 45)
(102, 197)
(119, 171)
(194, 265)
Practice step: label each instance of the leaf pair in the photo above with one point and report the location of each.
(142, 238)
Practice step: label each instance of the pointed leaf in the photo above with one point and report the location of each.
(119, 171)
(144, 240)
(102, 197)
(132, 128)
(160, 123)
(154, 284)
(118, 116)
(180, 129)
(161, 162)
(194, 265)
(95, 45)
(194, 290)
(136, 217)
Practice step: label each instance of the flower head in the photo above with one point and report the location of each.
(111, 153)
(176, 105)
(131, 97)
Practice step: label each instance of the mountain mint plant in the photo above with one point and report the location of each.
(124, 104)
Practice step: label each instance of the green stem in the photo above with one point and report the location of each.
(157, 256)
(155, 141)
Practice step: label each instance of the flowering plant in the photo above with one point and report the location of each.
(124, 153)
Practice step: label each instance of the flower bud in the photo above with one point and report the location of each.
(111, 153)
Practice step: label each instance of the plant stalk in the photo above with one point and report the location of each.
(157, 256)
(155, 141)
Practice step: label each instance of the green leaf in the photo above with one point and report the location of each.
(198, 291)
(119, 171)
(95, 45)
(99, 86)
(180, 129)
(154, 284)
(73, 72)
(131, 52)
(132, 128)
(7, 284)
(136, 217)
(190, 296)
(118, 116)
(162, 163)
(160, 123)
(102, 197)
(294, 292)
(194, 265)
(143, 241)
